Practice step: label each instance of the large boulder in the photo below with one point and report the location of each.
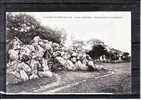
(25, 67)
(66, 63)
(17, 71)
(39, 51)
(15, 43)
(81, 66)
(13, 54)
(35, 65)
(23, 75)
(45, 73)
(91, 65)
(70, 66)
(44, 63)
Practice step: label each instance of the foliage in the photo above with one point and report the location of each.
(26, 27)
(98, 48)
(125, 56)
(97, 51)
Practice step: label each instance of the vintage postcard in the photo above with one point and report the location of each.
(68, 52)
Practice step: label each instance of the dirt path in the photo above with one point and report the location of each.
(69, 85)
(115, 80)
(48, 86)
(118, 80)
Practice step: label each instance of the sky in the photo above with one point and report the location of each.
(113, 28)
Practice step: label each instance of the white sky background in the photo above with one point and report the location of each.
(113, 28)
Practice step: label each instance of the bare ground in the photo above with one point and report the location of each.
(116, 79)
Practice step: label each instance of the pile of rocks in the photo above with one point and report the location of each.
(26, 61)
(42, 57)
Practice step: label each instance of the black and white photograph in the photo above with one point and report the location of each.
(68, 52)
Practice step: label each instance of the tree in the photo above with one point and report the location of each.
(97, 51)
(95, 42)
(26, 27)
(98, 48)
(125, 56)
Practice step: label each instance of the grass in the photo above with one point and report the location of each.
(123, 71)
